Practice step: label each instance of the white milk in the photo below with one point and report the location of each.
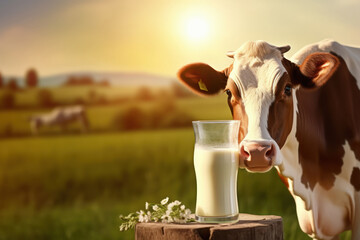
(216, 178)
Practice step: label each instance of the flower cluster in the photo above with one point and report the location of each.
(165, 212)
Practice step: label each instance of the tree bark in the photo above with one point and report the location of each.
(249, 227)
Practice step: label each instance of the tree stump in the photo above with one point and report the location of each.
(249, 227)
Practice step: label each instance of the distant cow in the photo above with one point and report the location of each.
(60, 116)
(302, 116)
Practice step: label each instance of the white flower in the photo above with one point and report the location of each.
(164, 201)
(167, 213)
(167, 219)
(187, 213)
(170, 206)
(143, 217)
(170, 219)
(173, 204)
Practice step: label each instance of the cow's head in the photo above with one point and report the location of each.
(260, 85)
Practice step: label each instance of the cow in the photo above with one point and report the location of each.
(300, 115)
(60, 116)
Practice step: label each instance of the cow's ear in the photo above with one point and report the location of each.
(202, 79)
(317, 69)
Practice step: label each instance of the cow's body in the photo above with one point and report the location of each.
(301, 116)
(60, 116)
(323, 150)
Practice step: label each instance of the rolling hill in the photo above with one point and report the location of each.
(114, 78)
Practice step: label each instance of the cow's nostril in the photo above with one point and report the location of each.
(270, 152)
(244, 152)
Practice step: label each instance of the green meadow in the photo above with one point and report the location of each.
(101, 116)
(74, 186)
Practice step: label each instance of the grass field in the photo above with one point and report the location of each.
(74, 186)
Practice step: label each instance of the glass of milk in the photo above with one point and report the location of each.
(216, 161)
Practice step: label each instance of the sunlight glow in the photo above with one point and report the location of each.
(197, 28)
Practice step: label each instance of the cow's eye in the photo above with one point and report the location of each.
(228, 92)
(287, 90)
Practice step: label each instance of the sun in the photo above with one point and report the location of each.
(197, 28)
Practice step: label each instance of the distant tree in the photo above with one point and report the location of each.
(8, 100)
(166, 114)
(8, 130)
(12, 84)
(144, 94)
(132, 119)
(92, 95)
(79, 100)
(45, 98)
(31, 78)
(102, 99)
(1, 81)
(86, 80)
(71, 80)
(180, 91)
(104, 83)
(164, 95)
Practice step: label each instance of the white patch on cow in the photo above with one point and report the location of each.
(351, 55)
(256, 71)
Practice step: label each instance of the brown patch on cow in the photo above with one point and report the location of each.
(355, 178)
(327, 117)
(237, 108)
(280, 117)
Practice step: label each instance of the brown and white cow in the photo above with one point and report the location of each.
(301, 116)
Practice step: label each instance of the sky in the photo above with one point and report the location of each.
(159, 36)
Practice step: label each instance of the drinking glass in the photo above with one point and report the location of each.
(216, 162)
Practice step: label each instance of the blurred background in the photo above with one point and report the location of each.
(93, 122)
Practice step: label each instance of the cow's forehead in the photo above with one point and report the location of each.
(257, 65)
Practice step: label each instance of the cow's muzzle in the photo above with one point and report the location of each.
(257, 156)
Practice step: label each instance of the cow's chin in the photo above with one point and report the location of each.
(258, 169)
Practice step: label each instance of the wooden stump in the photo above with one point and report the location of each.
(249, 227)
